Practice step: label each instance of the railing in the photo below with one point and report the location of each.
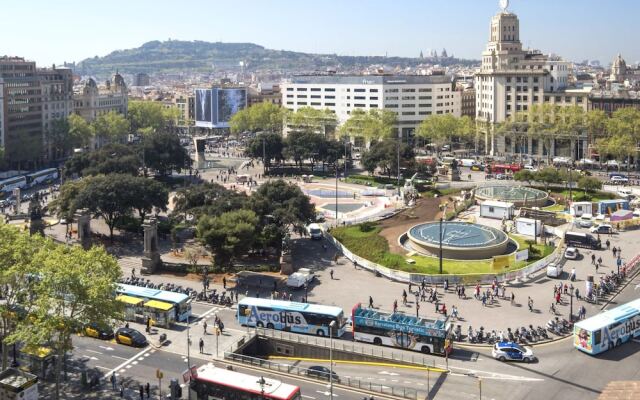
(383, 353)
(406, 393)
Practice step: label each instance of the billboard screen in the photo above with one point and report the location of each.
(230, 101)
(204, 115)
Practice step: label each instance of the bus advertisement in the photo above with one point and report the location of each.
(181, 302)
(209, 382)
(609, 329)
(313, 319)
(7, 185)
(427, 335)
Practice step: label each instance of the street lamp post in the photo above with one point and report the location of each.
(571, 305)
(189, 353)
(332, 325)
(399, 143)
(337, 169)
(444, 210)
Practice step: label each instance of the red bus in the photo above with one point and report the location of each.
(505, 168)
(212, 383)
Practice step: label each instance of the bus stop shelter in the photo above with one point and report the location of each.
(132, 306)
(162, 314)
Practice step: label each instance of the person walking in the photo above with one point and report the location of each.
(147, 388)
(204, 326)
(593, 258)
(141, 391)
(395, 306)
(113, 381)
(513, 298)
(608, 243)
(530, 304)
(331, 273)
(224, 282)
(370, 302)
(148, 324)
(201, 345)
(122, 389)
(614, 250)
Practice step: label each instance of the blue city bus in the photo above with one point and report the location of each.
(181, 302)
(313, 319)
(609, 329)
(427, 335)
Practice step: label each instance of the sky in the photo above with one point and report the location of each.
(72, 30)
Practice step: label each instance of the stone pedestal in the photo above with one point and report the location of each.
(84, 228)
(286, 264)
(17, 194)
(453, 175)
(151, 260)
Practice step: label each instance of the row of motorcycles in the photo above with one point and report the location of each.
(169, 287)
(214, 297)
(522, 335)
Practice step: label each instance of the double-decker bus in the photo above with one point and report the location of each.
(609, 329)
(181, 302)
(211, 383)
(505, 168)
(7, 185)
(427, 335)
(44, 176)
(313, 319)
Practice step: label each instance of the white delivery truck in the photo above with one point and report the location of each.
(314, 231)
(300, 278)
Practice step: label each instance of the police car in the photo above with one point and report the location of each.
(504, 351)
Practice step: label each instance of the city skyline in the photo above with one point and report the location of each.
(346, 29)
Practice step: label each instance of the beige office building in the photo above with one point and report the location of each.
(511, 80)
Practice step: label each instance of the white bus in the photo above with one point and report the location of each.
(8, 185)
(211, 383)
(44, 176)
(608, 329)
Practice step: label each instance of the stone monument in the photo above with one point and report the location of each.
(151, 259)
(83, 218)
(286, 262)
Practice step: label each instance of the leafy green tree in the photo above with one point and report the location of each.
(371, 125)
(311, 120)
(524, 175)
(17, 250)
(267, 146)
(265, 117)
(282, 207)
(74, 288)
(59, 138)
(547, 176)
(300, 145)
(163, 152)
(207, 199)
(384, 155)
(151, 194)
(110, 127)
(150, 116)
(80, 131)
(110, 196)
(441, 129)
(111, 158)
(589, 184)
(229, 235)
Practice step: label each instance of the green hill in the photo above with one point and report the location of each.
(199, 56)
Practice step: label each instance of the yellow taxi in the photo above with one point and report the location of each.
(96, 331)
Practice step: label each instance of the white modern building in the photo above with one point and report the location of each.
(512, 79)
(412, 97)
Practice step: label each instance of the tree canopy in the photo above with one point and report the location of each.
(265, 116)
(150, 116)
(441, 129)
(372, 125)
(163, 152)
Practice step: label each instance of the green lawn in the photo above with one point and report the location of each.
(541, 250)
(370, 245)
(555, 208)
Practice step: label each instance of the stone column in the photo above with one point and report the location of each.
(151, 259)
(17, 193)
(83, 219)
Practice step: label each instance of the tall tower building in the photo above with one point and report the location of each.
(512, 79)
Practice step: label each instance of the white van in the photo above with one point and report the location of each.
(314, 231)
(554, 270)
(467, 162)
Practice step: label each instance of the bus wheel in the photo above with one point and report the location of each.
(320, 332)
(270, 325)
(377, 341)
(259, 324)
(425, 349)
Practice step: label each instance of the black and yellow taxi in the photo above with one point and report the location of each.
(477, 167)
(98, 331)
(130, 337)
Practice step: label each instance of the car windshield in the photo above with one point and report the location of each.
(518, 347)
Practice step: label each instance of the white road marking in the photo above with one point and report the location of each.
(308, 397)
(101, 367)
(122, 366)
(90, 357)
(388, 373)
(120, 358)
(93, 351)
(326, 393)
(106, 348)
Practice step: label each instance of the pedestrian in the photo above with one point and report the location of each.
(608, 243)
(204, 326)
(113, 380)
(370, 302)
(484, 299)
(147, 388)
(121, 389)
(552, 309)
(331, 274)
(148, 324)
(593, 257)
(573, 274)
(141, 390)
(513, 298)
(224, 282)
(614, 251)
(566, 288)
(619, 251)
(599, 261)
(530, 304)
(454, 312)
(395, 306)
(201, 345)
(558, 297)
